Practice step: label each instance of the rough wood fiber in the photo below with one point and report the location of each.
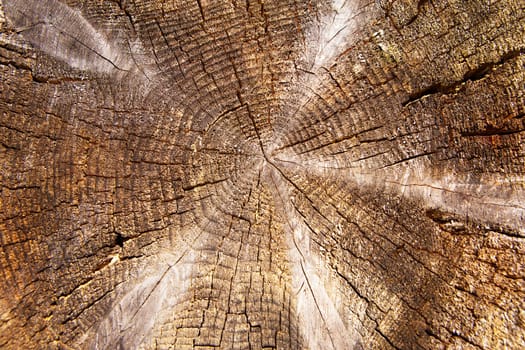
(272, 174)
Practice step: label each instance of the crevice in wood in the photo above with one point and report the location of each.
(491, 131)
(120, 239)
(482, 71)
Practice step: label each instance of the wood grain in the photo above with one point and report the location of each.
(262, 174)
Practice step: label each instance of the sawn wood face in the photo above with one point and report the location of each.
(272, 174)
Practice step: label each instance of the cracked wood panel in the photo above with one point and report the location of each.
(277, 174)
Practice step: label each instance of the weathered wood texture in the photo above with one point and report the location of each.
(262, 174)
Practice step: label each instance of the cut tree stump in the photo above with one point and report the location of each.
(262, 174)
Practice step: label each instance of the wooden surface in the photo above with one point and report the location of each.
(274, 174)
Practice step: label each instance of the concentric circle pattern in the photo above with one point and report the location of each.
(262, 174)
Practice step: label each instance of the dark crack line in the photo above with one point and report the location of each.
(476, 74)
(202, 184)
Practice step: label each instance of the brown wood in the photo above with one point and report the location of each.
(262, 174)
